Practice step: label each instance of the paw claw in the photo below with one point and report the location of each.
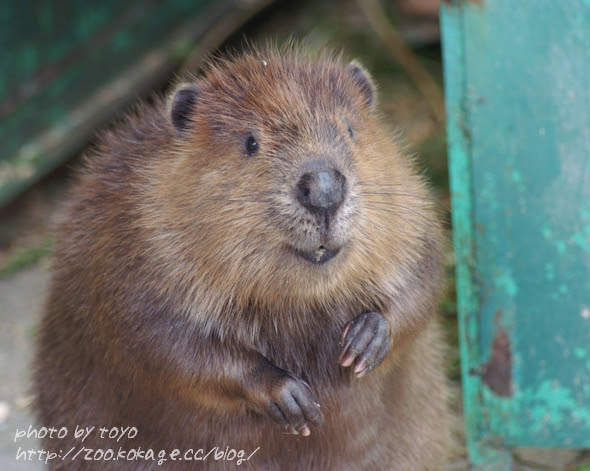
(367, 341)
(305, 431)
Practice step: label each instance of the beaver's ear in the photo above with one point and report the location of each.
(364, 81)
(182, 106)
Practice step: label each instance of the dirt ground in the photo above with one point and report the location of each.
(25, 225)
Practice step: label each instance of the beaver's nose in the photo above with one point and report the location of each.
(321, 190)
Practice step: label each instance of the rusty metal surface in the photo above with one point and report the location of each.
(496, 373)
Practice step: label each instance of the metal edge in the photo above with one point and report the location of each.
(481, 451)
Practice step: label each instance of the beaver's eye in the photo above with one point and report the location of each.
(251, 145)
(351, 132)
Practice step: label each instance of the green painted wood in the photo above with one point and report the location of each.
(67, 66)
(518, 101)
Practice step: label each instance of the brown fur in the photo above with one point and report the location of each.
(175, 298)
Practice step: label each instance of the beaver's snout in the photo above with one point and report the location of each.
(321, 190)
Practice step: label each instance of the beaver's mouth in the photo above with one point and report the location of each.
(318, 256)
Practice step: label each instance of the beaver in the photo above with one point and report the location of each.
(248, 262)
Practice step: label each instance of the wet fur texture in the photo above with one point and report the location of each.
(178, 296)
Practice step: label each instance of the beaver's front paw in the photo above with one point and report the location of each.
(365, 342)
(286, 398)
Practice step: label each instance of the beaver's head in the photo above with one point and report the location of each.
(281, 176)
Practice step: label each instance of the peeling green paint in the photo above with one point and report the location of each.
(542, 411)
(506, 283)
(582, 240)
(561, 247)
(516, 176)
(563, 289)
(552, 405)
(519, 146)
(549, 271)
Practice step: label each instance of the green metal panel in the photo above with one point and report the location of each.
(68, 65)
(518, 101)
